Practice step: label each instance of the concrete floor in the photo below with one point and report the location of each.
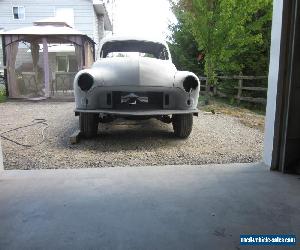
(199, 207)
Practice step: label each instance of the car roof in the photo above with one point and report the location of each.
(132, 38)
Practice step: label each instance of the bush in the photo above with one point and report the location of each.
(2, 93)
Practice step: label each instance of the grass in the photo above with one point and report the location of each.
(256, 108)
(254, 118)
(2, 93)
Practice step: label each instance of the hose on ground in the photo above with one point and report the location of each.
(35, 122)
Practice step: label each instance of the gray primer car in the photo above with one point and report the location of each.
(135, 79)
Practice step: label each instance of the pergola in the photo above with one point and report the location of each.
(41, 34)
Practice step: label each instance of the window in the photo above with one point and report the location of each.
(129, 54)
(19, 12)
(73, 65)
(62, 63)
(133, 48)
(163, 54)
(66, 64)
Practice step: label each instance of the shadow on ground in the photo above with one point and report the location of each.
(124, 135)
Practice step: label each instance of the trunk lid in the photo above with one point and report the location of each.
(141, 71)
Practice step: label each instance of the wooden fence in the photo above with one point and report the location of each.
(240, 87)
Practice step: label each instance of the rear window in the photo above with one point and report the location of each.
(134, 49)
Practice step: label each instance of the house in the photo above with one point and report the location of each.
(89, 17)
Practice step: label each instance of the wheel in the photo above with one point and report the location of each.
(182, 125)
(88, 123)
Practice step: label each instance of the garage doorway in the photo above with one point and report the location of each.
(286, 146)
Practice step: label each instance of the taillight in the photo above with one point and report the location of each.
(85, 81)
(190, 83)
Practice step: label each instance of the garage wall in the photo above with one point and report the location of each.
(273, 80)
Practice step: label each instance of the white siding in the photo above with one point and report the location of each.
(40, 9)
(99, 32)
(96, 33)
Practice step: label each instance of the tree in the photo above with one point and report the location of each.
(234, 35)
(183, 47)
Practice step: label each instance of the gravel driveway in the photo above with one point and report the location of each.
(215, 139)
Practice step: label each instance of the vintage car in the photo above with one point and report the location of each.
(135, 79)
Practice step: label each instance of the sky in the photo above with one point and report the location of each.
(148, 18)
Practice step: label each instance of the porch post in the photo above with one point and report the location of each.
(46, 67)
(4, 64)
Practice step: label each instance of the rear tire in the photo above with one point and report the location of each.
(88, 123)
(182, 125)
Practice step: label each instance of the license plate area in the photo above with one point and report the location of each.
(137, 100)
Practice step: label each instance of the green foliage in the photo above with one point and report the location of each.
(183, 47)
(2, 93)
(234, 35)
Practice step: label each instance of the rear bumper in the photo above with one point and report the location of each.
(160, 99)
(138, 112)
